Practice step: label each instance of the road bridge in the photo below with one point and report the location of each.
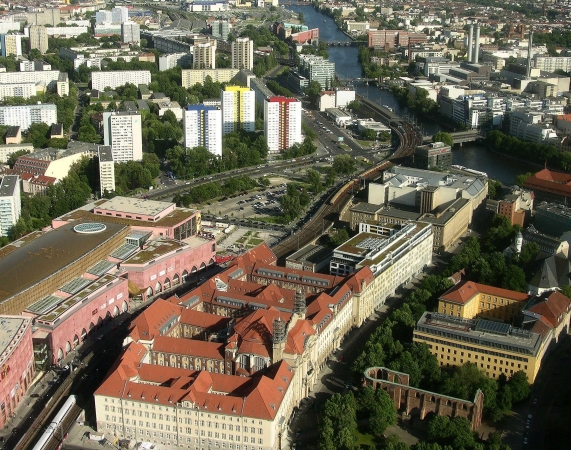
(461, 137)
(344, 43)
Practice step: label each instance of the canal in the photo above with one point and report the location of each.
(347, 66)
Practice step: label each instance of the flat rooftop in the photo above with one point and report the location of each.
(311, 253)
(10, 326)
(130, 205)
(171, 219)
(481, 332)
(154, 249)
(48, 253)
(8, 185)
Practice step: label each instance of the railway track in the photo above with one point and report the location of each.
(409, 139)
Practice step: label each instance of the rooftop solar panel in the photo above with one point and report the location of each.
(101, 268)
(44, 305)
(124, 251)
(75, 285)
(488, 326)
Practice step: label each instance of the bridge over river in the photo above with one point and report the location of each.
(461, 137)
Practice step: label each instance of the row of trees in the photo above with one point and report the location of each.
(530, 151)
(294, 201)
(208, 191)
(419, 101)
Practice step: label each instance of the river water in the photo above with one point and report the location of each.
(347, 66)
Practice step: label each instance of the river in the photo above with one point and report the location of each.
(347, 66)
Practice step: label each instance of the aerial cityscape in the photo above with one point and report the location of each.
(284, 224)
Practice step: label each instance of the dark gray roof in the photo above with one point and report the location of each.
(551, 272)
(9, 183)
(12, 131)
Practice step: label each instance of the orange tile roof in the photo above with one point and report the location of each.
(148, 323)
(189, 347)
(466, 290)
(554, 308)
(202, 319)
(548, 180)
(255, 331)
(296, 337)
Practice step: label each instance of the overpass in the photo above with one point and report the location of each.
(344, 43)
(460, 137)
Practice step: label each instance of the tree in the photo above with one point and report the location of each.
(344, 164)
(38, 134)
(368, 134)
(514, 279)
(520, 179)
(355, 104)
(442, 136)
(14, 156)
(376, 406)
(519, 386)
(494, 189)
(314, 180)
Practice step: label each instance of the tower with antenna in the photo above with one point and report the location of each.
(278, 339)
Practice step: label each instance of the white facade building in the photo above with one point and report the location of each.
(114, 79)
(103, 16)
(130, 32)
(25, 115)
(66, 31)
(122, 131)
(167, 62)
(119, 14)
(106, 169)
(282, 123)
(24, 90)
(49, 77)
(10, 203)
(243, 54)
(203, 127)
(204, 56)
(238, 109)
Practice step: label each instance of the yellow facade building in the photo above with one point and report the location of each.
(468, 300)
(496, 348)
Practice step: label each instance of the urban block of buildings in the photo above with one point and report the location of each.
(202, 126)
(282, 123)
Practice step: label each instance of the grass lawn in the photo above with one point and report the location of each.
(255, 241)
(363, 439)
(366, 144)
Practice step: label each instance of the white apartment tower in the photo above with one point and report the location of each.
(103, 16)
(106, 169)
(122, 131)
(203, 127)
(204, 56)
(11, 44)
(10, 203)
(243, 53)
(119, 14)
(130, 32)
(25, 115)
(238, 109)
(282, 123)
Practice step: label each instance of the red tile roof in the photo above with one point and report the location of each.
(189, 347)
(550, 181)
(255, 331)
(204, 320)
(146, 326)
(554, 308)
(466, 290)
(296, 337)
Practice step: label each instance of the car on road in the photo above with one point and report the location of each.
(524, 441)
(349, 386)
(34, 395)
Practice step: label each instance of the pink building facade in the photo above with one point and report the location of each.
(171, 269)
(67, 326)
(304, 37)
(16, 365)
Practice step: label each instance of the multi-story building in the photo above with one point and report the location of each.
(469, 300)
(7, 149)
(436, 154)
(282, 123)
(494, 347)
(119, 14)
(389, 39)
(550, 186)
(107, 29)
(11, 44)
(393, 253)
(204, 56)
(24, 90)
(50, 16)
(122, 131)
(113, 79)
(17, 362)
(516, 206)
(130, 32)
(169, 61)
(67, 32)
(38, 38)
(10, 203)
(36, 64)
(25, 115)
(166, 44)
(238, 109)
(316, 68)
(106, 170)
(221, 29)
(203, 127)
(190, 77)
(243, 53)
(62, 84)
(552, 63)
(103, 16)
